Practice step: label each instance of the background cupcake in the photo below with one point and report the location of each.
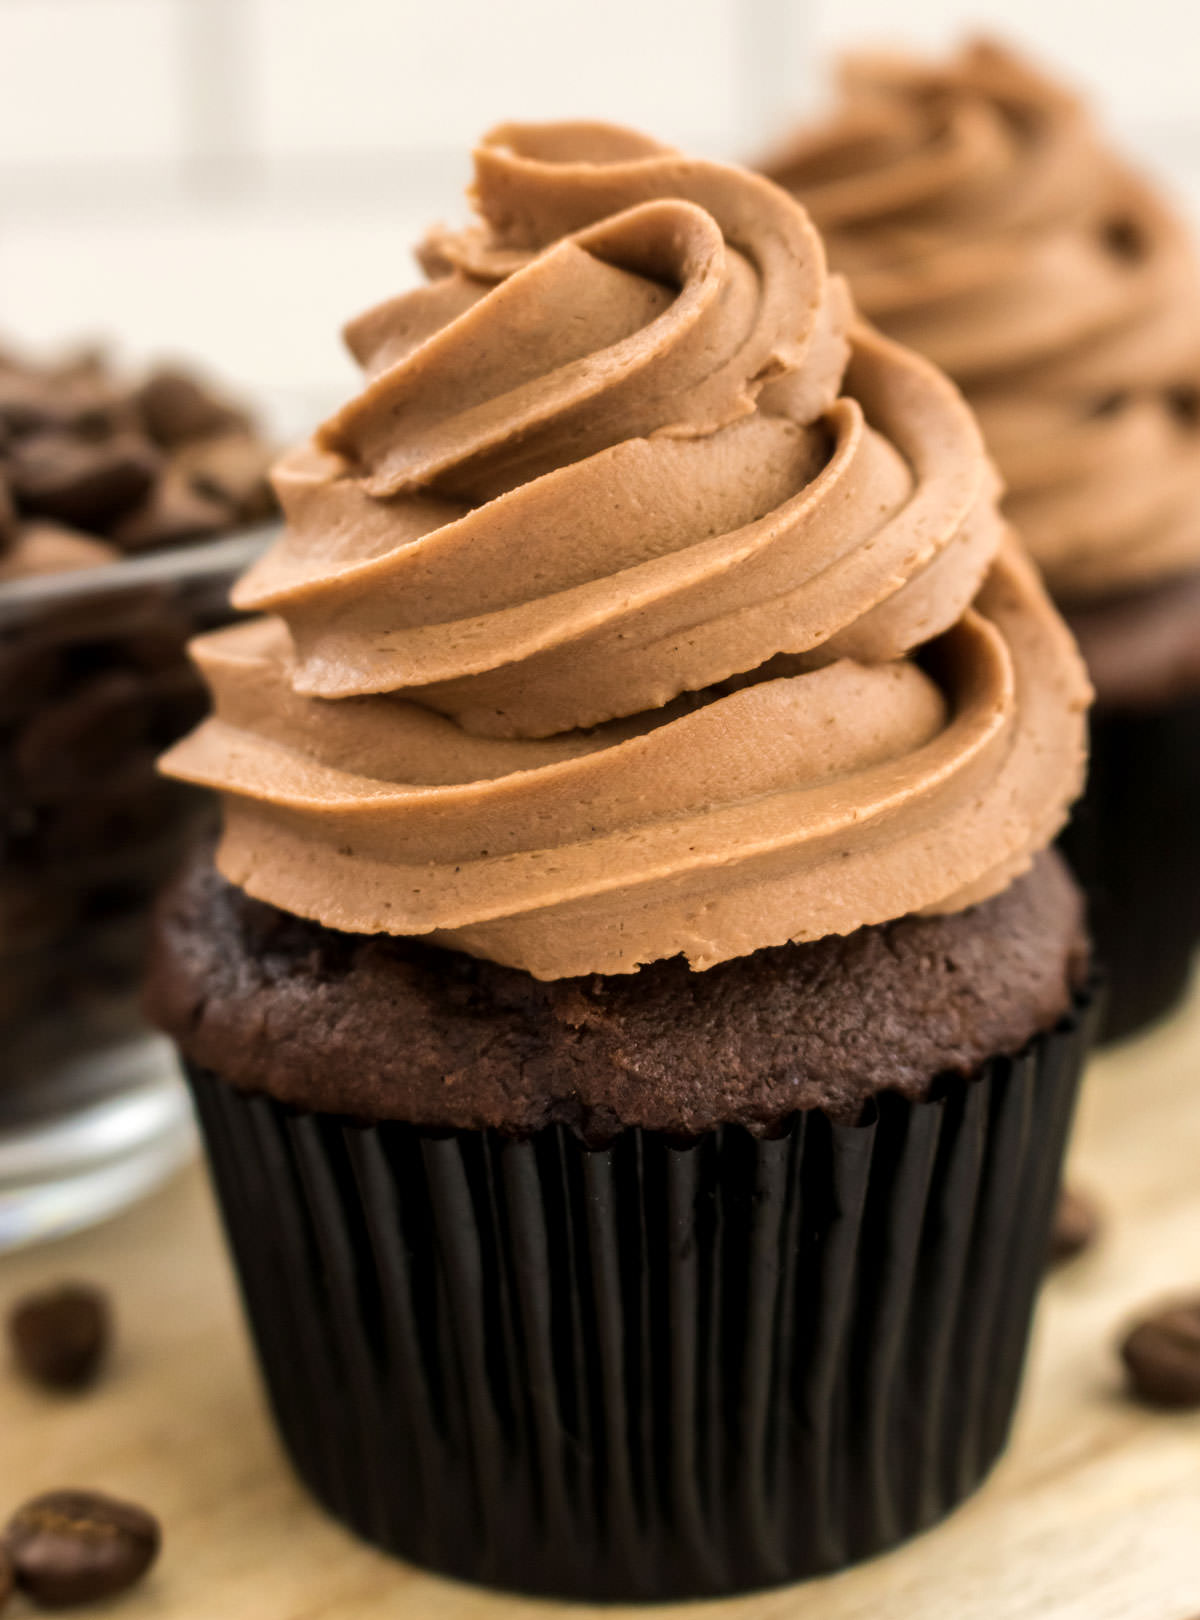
(636, 1022)
(982, 219)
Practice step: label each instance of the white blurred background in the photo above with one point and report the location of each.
(230, 179)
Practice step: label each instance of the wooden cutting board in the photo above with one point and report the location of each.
(1094, 1514)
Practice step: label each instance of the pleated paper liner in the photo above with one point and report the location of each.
(1134, 842)
(659, 1369)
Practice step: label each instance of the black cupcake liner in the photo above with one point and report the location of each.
(659, 1369)
(1134, 843)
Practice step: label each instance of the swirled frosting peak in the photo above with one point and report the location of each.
(981, 219)
(641, 603)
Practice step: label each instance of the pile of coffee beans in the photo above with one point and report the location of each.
(95, 682)
(94, 466)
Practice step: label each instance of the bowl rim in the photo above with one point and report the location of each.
(206, 559)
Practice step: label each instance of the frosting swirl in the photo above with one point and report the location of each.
(593, 634)
(982, 220)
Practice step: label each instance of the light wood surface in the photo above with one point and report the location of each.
(1093, 1515)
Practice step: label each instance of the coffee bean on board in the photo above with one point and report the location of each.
(1162, 1355)
(61, 1336)
(70, 1547)
(1076, 1226)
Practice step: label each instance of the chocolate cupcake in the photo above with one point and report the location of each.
(635, 1020)
(981, 219)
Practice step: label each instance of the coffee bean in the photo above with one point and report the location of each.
(1076, 1226)
(89, 733)
(172, 514)
(26, 405)
(85, 362)
(60, 1337)
(41, 547)
(91, 404)
(233, 469)
(176, 409)
(60, 475)
(70, 1547)
(1162, 1356)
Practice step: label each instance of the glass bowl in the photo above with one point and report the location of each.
(94, 684)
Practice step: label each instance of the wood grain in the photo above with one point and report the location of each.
(1094, 1514)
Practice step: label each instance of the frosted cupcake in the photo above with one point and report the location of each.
(983, 220)
(634, 1014)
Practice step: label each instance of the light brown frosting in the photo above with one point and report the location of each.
(592, 630)
(982, 220)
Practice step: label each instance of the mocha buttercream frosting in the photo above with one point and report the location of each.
(643, 603)
(982, 219)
